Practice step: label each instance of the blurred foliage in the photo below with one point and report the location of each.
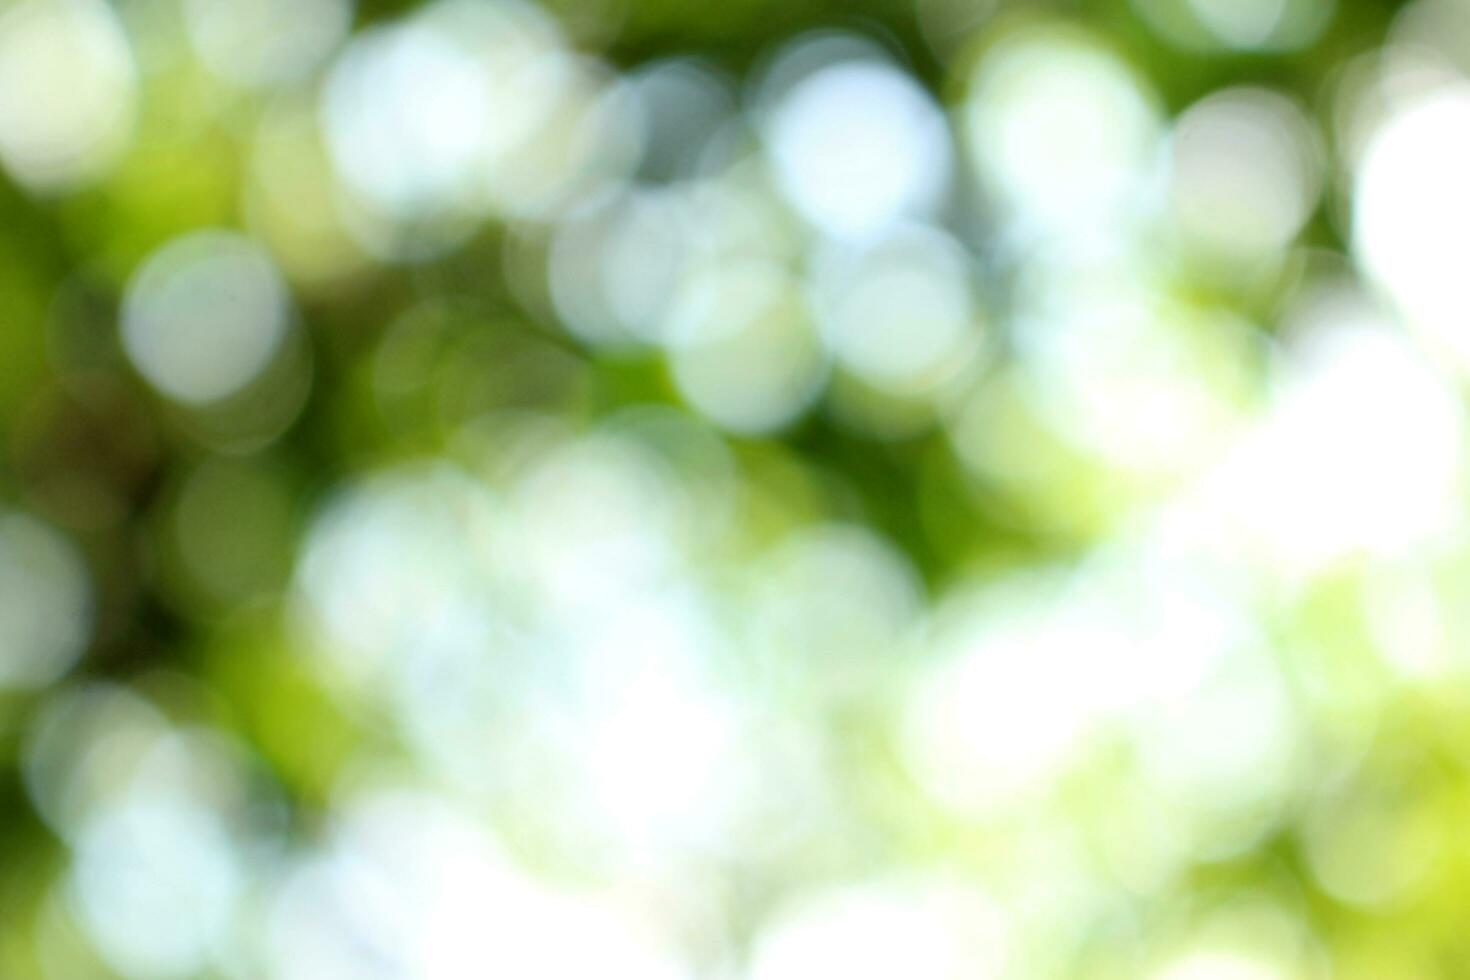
(192, 521)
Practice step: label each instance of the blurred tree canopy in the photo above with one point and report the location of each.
(990, 453)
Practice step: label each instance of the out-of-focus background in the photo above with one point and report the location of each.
(746, 490)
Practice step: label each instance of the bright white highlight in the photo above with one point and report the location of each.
(743, 348)
(926, 931)
(392, 560)
(1361, 453)
(1221, 965)
(45, 603)
(1240, 23)
(1246, 172)
(597, 520)
(613, 272)
(899, 314)
(1030, 671)
(856, 146)
(406, 113)
(836, 600)
(408, 886)
(81, 749)
(68, 90)
(469, 109)
(265, 42)
(1060, 129)
(1411, 226)
(1119, 370)
(1006, 709)
(204, 316)
(149, 861)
